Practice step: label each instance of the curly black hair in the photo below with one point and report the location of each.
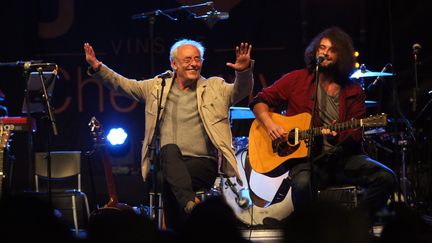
(343, 44)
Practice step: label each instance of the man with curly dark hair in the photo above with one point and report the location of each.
(338, 156)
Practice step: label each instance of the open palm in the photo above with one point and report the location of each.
(242, 57)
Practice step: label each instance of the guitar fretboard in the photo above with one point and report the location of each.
(342, 126)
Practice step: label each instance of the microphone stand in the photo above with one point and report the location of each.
(26, 75)
(152, 19)
(310, 140)
(409, 127)
(154, 149)
(416, 88)
(47, 103)
(53, 126)
(404, 143)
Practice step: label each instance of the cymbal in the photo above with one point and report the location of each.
(371, 103)
(364, 73)
(373, 131)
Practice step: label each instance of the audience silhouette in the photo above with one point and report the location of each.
(26, 218)
(213, 220)
(327, 223)
(406, 225)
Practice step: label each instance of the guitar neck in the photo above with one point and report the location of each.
(109, 178)
(342, 126)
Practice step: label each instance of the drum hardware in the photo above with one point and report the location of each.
(371, 103)
(404, 179)
(363, 72)
(380, 146)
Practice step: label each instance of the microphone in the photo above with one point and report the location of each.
(320, 58)
(214, 16)
(29, 65)
(416, 48)
(378, 78)
(166, 74)
(242, 201)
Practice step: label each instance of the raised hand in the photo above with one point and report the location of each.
(242, 57)
(90, 56)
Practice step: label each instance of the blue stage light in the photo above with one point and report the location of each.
(117, 136)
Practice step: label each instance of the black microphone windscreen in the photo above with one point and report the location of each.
(416, 48)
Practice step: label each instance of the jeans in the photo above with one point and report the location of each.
(182, 177)
(360, 170)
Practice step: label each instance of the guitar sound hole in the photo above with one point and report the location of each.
(288, 147)
(283, 149)
(291, 137)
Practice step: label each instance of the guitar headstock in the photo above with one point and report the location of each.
(375, 121)
(97, 132)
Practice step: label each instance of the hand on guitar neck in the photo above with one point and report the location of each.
(99, 144)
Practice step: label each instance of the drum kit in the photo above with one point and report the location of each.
(264, 200)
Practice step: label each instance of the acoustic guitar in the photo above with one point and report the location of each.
(266, 155)
(99, 143)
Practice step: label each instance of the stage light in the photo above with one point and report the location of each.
(117, 136)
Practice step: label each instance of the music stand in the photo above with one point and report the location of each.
(35, 91)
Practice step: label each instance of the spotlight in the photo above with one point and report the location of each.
(117, 136)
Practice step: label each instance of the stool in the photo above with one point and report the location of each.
(346, 195)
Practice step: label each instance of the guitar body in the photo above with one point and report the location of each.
(112, 209)
(261, 155)
(266, 155)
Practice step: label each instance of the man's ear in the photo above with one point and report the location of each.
(174, 65)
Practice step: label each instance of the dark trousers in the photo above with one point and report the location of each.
(182, 177)
(378, 180)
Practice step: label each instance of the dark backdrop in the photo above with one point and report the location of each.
(54, 31)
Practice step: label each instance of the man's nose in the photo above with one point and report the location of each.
(325, 51)
(194, 62)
